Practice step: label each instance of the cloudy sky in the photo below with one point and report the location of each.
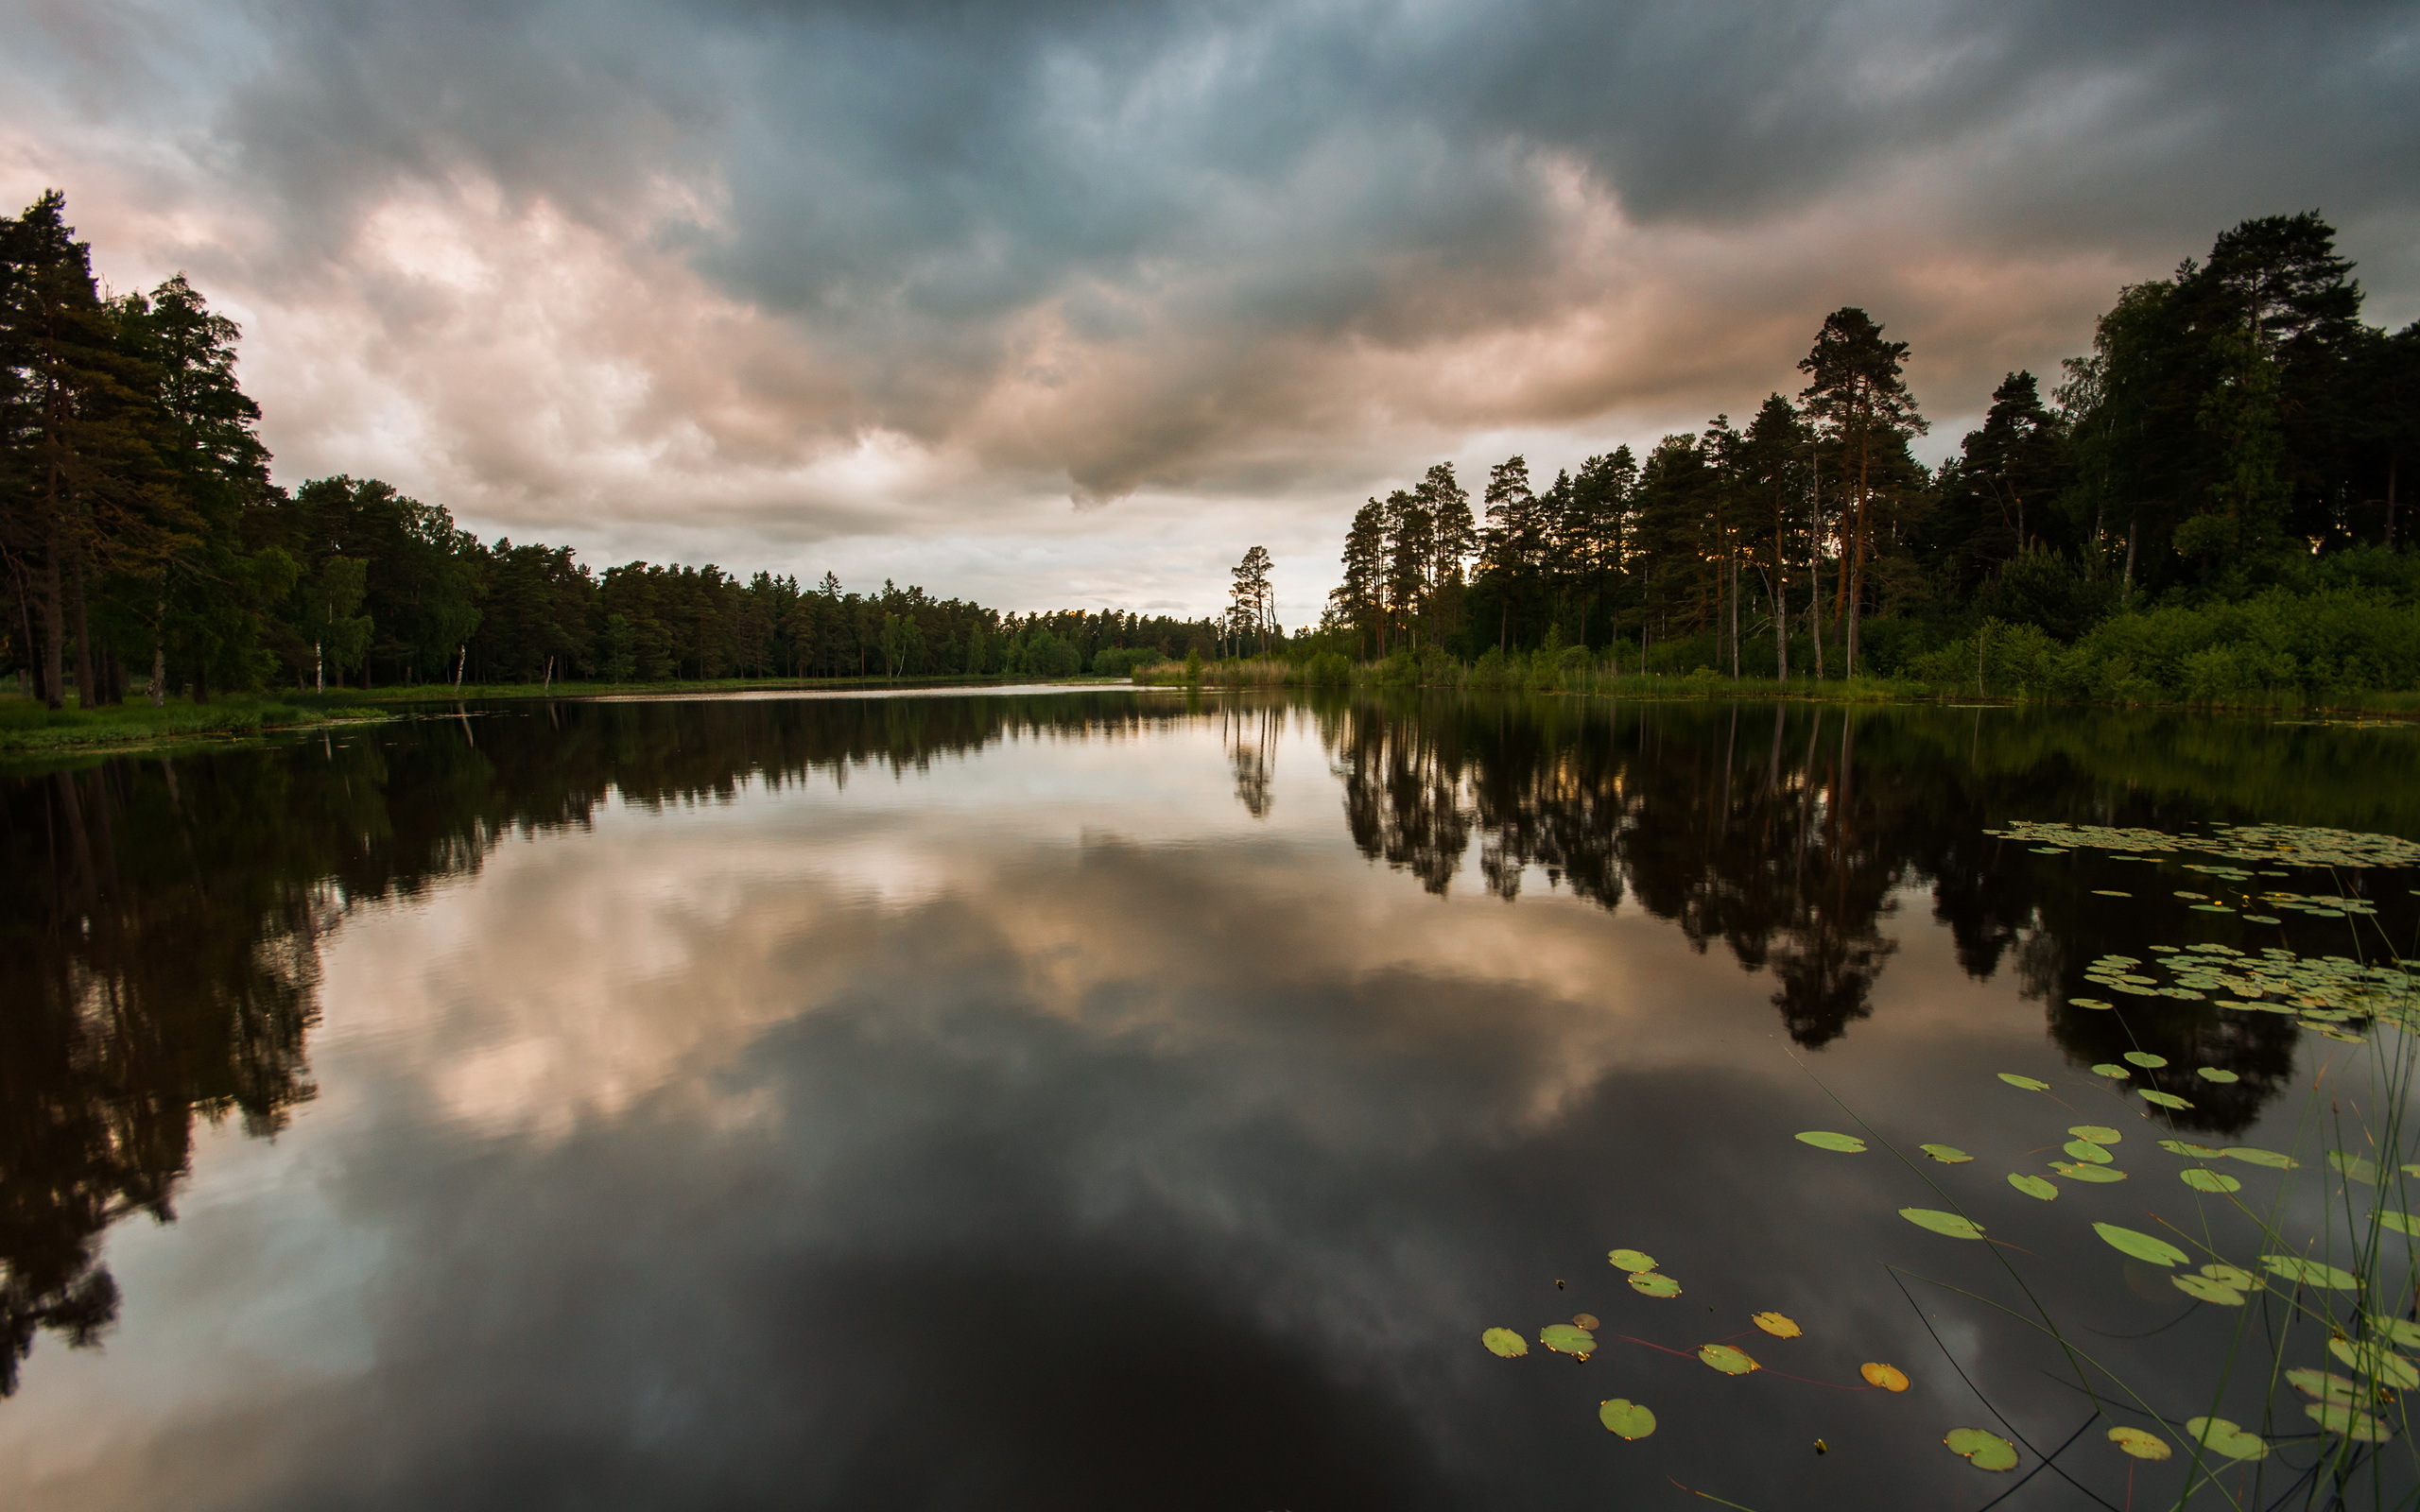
(1064, 304)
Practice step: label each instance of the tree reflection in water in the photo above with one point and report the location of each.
(1791, 833)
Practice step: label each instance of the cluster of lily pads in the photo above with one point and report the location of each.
(2263, 845)
(1631, 1420)
(2322, 993)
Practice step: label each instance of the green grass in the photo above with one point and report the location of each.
(445, 693)
(28, 729)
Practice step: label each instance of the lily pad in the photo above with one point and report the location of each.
(2243, 1281)
(1946, 1154)
(1730, 1361)
(2096, 1133)
(1985, 1452)
(1888, 1376)
(2201, 1180)
(2139, 1444)
(2402, 1222)
(2199, 1151)
(2152, 1095)
(1584, 1320)
(2104, 1069)
(2402, 1331)
(1631, 1260)
(2086, 1151)
(2221, 1436)
(1568, 1338)
(1505, 1343)
(1653, 1283)
(1777, 1324)
(2026, 1082)
(2139, 1244)
(2081, 1172)
(2354, 1424)
(1626, 1417)
(2327, 1385)
(2373, 1358)
(1826, 1140)
(2354, 1167)
(2310, 1272)
(2144, 1058)
(2253, 1155)
(2203, 1289)
(1942, 1223)
(2215, 1074)
(2033, 1186)
(2091, 1003)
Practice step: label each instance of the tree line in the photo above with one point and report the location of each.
(142, 540)
(2235, 431)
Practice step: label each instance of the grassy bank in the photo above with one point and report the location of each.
(1573, 676)
(28, 729)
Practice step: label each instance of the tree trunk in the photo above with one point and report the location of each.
(88, 688)
(158, 672)
(54, 629)
(1856, 581)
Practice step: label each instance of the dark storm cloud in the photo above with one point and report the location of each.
(1206, 249)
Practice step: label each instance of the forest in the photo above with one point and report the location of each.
(146, 546)
(2205, 505)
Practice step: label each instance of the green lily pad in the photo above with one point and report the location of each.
(1985, 1452)
(2212, 908)
(2243, 1281)
(2088, 1152)
(2354, 1424)
(2397, 1329)
(2203, 1289)
(2201, 1180)
(1632, 1260)
(1826, 1140)
(2262, 918)
(1626, 1417)
(1568, 1338)
(2402, 1222)
(1942, 1223)
(1731, 1362)
(2141, 1445)
(2199, 1151)
(1946, 1154)
(2033, 1186)
(2310, 1272)
(1505, 1343)
(2105, 1069)
(2091, 1003)
(2253, 1155)
(2026, 1082)
(2215, 1074)
(2080, 1172)
(2144, 1058)
(2221, 1436)
(2152, 1095)
(2353, 1166)
(1653, 1283)
(2096, 1133)
(2139, 1244)
(2327, 1385)
(2373, 1358)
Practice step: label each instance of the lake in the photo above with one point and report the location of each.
(1134, 1098)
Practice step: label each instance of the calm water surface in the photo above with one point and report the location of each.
(1090, 1099)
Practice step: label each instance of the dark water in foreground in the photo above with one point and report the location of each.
(1097, 1099)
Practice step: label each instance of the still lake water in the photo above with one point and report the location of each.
(1102, 1098)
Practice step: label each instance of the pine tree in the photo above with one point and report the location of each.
(1855, 392)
